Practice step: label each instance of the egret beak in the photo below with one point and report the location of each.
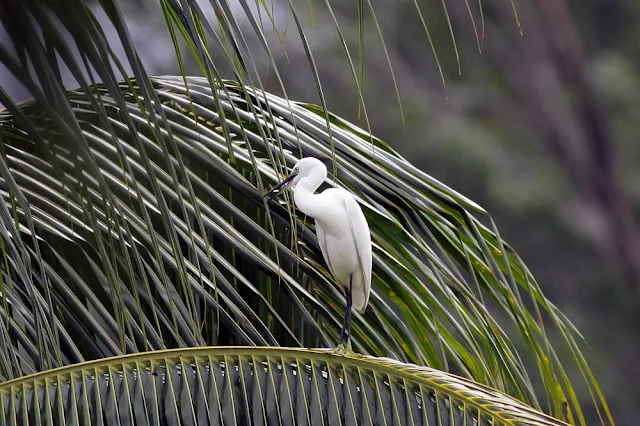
(281, 186)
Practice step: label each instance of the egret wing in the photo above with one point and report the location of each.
(362, 237)
(322, 241)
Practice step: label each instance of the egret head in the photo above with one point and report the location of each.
(304, 167)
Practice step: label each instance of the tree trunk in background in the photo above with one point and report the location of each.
(548, 78)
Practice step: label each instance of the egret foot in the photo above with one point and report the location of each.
(343, 348)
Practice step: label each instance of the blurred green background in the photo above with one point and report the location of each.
(540, 127)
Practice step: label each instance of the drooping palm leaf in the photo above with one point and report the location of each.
(133, 220)
(212, 264)
(241, 386)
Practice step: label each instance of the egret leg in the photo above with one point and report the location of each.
(345, 333)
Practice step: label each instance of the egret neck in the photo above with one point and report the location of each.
(304, 193)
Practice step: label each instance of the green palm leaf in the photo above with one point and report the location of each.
(133, 221)
(212, 386)
(134, 257)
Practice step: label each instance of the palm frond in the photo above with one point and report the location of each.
(134, 245)
(239, 385)
(132, 216)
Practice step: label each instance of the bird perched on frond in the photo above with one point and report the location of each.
(342, 230)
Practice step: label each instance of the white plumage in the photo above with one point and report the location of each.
(345, 242)
(342, 230)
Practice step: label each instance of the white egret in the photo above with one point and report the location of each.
(342, 230)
